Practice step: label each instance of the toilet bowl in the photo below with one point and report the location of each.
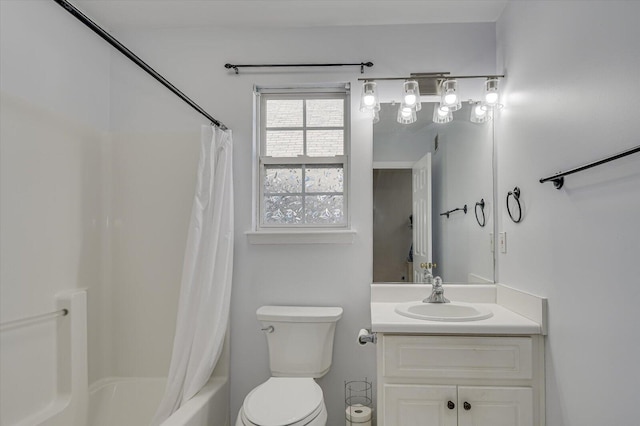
(300, 341)
(290, 401)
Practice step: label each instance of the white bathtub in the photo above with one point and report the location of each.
(132, 401)
(124, 401)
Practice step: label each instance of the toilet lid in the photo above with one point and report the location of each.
(283, 401)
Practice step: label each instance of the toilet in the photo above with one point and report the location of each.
(300, 343)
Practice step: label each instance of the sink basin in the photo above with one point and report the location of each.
(454, 311)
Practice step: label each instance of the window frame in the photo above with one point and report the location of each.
(261, 161)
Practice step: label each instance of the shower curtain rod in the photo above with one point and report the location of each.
(135, 59)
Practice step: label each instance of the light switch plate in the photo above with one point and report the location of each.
(502, 242)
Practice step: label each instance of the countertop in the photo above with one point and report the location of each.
(504, 321)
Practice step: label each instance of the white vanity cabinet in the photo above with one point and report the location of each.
(458, 380)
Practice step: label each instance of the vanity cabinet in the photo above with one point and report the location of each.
(460, 380)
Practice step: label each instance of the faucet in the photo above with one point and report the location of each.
(437, 293)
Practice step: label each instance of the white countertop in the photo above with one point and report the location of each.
(504, 321)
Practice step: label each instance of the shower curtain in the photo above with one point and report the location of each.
(203, 309)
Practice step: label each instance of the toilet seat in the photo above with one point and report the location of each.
(283, 401)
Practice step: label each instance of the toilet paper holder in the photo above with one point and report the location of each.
(358, 401)
(366, 336)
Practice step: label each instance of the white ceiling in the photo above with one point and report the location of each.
(146, 14)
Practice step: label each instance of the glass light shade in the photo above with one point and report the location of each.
(491, 95)
(450, 98)
(411, 94)
(442, 114)
(406, 115)
(479, 113)
(369, 97)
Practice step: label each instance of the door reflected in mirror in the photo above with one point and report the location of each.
(421, 171)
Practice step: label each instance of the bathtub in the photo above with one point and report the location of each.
(132, 401)
(119, 401)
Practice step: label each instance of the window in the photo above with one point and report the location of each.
(302, 145)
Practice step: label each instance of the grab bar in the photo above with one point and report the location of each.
(34, 318)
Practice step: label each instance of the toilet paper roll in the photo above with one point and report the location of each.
(361, 333)
(359, 415)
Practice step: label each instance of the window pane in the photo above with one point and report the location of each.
(325, 113)
(324, 209)
(324, 179)
(283, 209)
(325, 143)
(284, 143)
(284, 112)
(279, 179)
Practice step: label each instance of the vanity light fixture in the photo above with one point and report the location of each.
(441, 114)
(369, 99)
(440, 84)
(479, 113)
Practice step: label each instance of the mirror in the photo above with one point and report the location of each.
(406, 235)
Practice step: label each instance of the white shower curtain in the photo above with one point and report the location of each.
(203, 309)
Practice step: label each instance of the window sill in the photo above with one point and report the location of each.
(341, 236)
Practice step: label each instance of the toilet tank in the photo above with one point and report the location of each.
(301, 341)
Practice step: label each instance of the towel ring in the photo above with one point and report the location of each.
(475, 210)
(516, 196)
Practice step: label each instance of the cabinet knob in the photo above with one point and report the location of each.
(467, 406)
(451, 405)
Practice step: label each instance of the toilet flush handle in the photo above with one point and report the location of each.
(269, 329)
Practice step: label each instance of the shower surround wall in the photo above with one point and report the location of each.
(54, 113)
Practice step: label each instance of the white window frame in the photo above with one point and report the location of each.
(284, 231)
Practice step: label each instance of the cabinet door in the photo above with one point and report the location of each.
(419, 405)
(495, 406)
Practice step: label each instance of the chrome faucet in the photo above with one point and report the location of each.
(437, 293)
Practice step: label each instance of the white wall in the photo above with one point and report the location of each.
(572, 79)
(284, 274)
(54, 108)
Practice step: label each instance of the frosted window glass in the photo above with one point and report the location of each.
(324, 209)
(281, 179)
(324, 179)
(283, 209)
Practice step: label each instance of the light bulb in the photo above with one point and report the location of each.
(369, 100)
(410, 99)
(406, 112)
(443, 111)
(491, 98)
(451, 98)
(480, 111)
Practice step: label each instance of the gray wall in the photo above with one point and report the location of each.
(567, 64)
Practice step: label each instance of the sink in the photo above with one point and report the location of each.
(454, 311)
